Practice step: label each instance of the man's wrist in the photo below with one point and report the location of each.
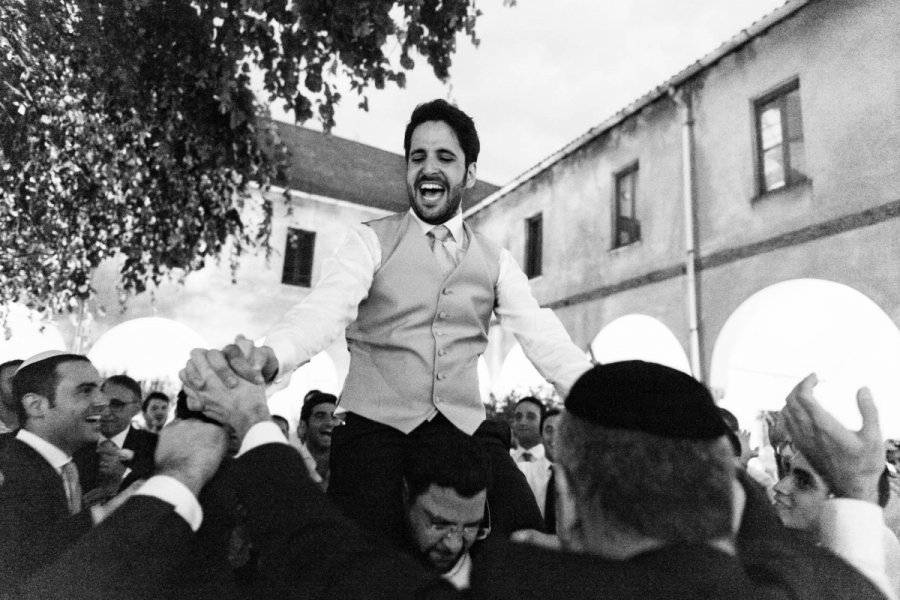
(250, 416)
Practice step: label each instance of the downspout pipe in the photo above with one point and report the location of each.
(682, 98)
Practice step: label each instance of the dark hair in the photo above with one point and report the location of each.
(461, 124)
(312, 400)
(884, 487)
(40, 378)
(536, 402)
(551, 412)
(154, 396)
(10, 401)
(452, 459)
(733, 428)
(126, 382)
(672, 489)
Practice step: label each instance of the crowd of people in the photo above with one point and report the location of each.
(638, 487)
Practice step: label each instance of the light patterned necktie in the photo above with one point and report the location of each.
(72, 485)
(527, 456)
(445, 259)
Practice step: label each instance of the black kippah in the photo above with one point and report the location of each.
(641, 396)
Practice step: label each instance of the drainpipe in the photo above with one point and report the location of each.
(682, 98)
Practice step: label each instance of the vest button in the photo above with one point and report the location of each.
(442, 352)
(437, 400)
(443, 314)
(447, 291)
(441, 376)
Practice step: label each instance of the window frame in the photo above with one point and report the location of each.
(780, 94)
(291, 273)
(632, 172)
(534, 245)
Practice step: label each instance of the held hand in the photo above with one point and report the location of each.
(101, 511)
(850, 462)
(536, 538)
(746, 451)
(190, 451)
(243, 360)
(240, 407)
(110, 465)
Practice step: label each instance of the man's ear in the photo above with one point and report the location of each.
(470, 175)
(569, 526)
(35, 405)
(301, 430)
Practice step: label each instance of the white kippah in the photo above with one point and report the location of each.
(40, 357)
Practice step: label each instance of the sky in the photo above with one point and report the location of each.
(547, 71)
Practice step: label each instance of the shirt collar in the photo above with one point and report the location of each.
(53, 455)
(537, 452)
(119, 438)
(454, 224)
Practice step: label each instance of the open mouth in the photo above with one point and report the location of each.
(431, 191)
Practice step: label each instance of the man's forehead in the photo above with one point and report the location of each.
(430, 132)
(323, 408)
(446, 503)
(120, 392)
(527, 407)
(77, 372)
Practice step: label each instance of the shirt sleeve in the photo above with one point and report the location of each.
(321, 317)
(853, 529)
(170, 490)
(543, 338)
(265, 432)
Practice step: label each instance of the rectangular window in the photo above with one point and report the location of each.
(626, 227)
(780, 158)
(298, 257)
(534, 243)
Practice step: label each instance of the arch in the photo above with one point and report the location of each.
(639, 337)
(28, 335)
(319, 373)
(150, 349)
(518, 375)
(787, 330)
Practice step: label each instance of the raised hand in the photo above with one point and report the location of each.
(190, 450)
(850, 462)
(242, 360)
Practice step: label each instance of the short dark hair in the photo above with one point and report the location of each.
(312, 400)
(40, 378)
(10, 401)
(126, 382)
(156, 395)
(551, 412)
(461, 124)
(536, 402)
(672, 489)
(450, 459)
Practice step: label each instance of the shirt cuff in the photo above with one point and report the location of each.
(170, 490)
(265, 432)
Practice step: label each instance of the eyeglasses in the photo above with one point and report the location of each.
(114, 405)
(468, 532)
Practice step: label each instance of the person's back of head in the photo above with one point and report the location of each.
(8, 411)
(645, 461)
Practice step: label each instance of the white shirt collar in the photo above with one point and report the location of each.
(460, 574)
(118, 439)
(454, 224)
(537, 452)
(53, 455)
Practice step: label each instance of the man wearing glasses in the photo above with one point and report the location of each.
(124, 454)
(445, 503)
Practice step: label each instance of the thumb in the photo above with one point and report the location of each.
(871, 428)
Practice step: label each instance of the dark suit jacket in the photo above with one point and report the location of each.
(309, 550)
(35, 524)
(142, 443)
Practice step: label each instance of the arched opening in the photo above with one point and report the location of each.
(518, 377)
(150, 349)
(318, 374)
(790, 329)
(639, 337)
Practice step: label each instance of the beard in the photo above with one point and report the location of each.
(442, 212)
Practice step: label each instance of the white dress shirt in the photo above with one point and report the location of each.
(320, 318)
(537, 472)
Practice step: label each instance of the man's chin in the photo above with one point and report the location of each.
(442, 563)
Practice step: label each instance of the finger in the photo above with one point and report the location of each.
(245, 345)
(536, 538)
(190, 376)
(871, 429)
(241, 365)
(219, 364)
(193, 400)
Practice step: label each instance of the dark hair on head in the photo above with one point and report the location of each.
(733, 428)
(461, 124)
(9, 401)
(671, 489)
(452, 459)
(536, 402)
(157, 395)
(312, 400)
(11, 363)
(40, 378)
(126, 382)
(551, 412)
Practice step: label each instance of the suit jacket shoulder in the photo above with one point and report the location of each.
(35, 524)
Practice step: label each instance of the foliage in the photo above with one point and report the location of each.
(128, 129)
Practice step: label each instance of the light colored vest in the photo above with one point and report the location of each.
(415, 344)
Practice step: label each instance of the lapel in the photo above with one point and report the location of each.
(24, 465)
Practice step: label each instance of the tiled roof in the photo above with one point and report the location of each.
(341, 169)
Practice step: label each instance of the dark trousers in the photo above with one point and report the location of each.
(367, 476)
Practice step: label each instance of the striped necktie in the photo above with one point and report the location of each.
(69, 474)
(439, 236)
